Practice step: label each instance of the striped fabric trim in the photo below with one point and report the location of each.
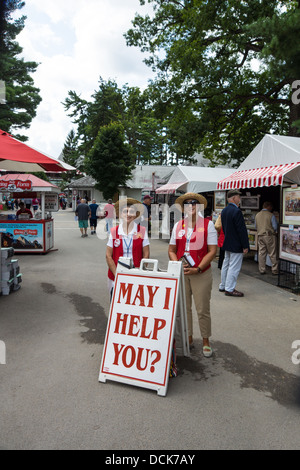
(259, 177)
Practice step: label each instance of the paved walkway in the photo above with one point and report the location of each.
(244, 397)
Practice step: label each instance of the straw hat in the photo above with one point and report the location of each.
(121, 203)
(189, 196)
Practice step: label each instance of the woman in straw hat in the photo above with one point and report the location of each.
(194, 241)
(128, 239)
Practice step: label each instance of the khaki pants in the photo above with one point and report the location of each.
(267, 245)
(199, 287)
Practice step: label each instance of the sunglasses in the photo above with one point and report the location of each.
(193, 202)
(129, 211)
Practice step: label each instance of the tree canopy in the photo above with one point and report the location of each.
(110, 159)
(144, 128)
(225, 70)
(22, 97)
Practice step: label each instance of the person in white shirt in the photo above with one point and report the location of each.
(194, 241)
(128, 239)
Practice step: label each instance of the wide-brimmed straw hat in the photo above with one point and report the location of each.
(126, 202)
(190, 196)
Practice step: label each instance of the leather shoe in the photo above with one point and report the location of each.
(234, 293)
(221, 290)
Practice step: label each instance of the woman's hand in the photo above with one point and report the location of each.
(190, 271)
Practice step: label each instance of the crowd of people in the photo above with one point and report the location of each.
(23, 205)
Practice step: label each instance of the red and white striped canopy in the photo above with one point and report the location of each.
(259, 177)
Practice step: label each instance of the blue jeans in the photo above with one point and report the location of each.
(230, 270)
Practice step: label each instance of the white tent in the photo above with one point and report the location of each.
(194, 179)
(274, 161)
(273, 150)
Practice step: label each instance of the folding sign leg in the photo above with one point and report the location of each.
(183, 317)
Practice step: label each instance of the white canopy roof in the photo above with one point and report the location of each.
(274, 161)
(194, 179)
(273, 150)
(149, 177)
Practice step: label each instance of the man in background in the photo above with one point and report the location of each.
(266, 226)
(93, 219)
(146, 216)
(83, 213)
(235, 245)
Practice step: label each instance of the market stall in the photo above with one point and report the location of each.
(272, 173)
(20, 231)
(193, 179)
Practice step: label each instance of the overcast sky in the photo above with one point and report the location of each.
(75, 42)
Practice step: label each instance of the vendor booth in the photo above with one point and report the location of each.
(272, 173)
(194, 179)
(20, 231)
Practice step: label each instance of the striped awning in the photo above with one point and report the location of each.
(169, 188)
(259, 177)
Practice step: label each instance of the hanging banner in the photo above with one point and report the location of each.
(140, 331)
(15, 185)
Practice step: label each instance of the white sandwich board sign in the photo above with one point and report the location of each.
(141, 325)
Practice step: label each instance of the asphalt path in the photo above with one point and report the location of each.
(247, 396)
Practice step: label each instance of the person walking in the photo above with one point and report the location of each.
(266, 226)
(146, 216)
(93, 219)
(127, 239)
(109, 214)
(83, 213)
(236, 244)
(194, 242)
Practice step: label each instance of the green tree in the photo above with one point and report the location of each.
(226, 67)
(71, 156)
(128, 106)
(110, 161)
(70, 150)
(22, 97)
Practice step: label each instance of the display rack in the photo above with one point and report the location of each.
(289, 276)
(10, 276)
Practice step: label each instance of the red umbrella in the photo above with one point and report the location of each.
(17, 156)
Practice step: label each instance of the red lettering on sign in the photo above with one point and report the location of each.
(134, 326)
(151, 295)
(129, 356)
(140, 295)
(126, 291)
(123, 321)
(167, 299)
(159, 324)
